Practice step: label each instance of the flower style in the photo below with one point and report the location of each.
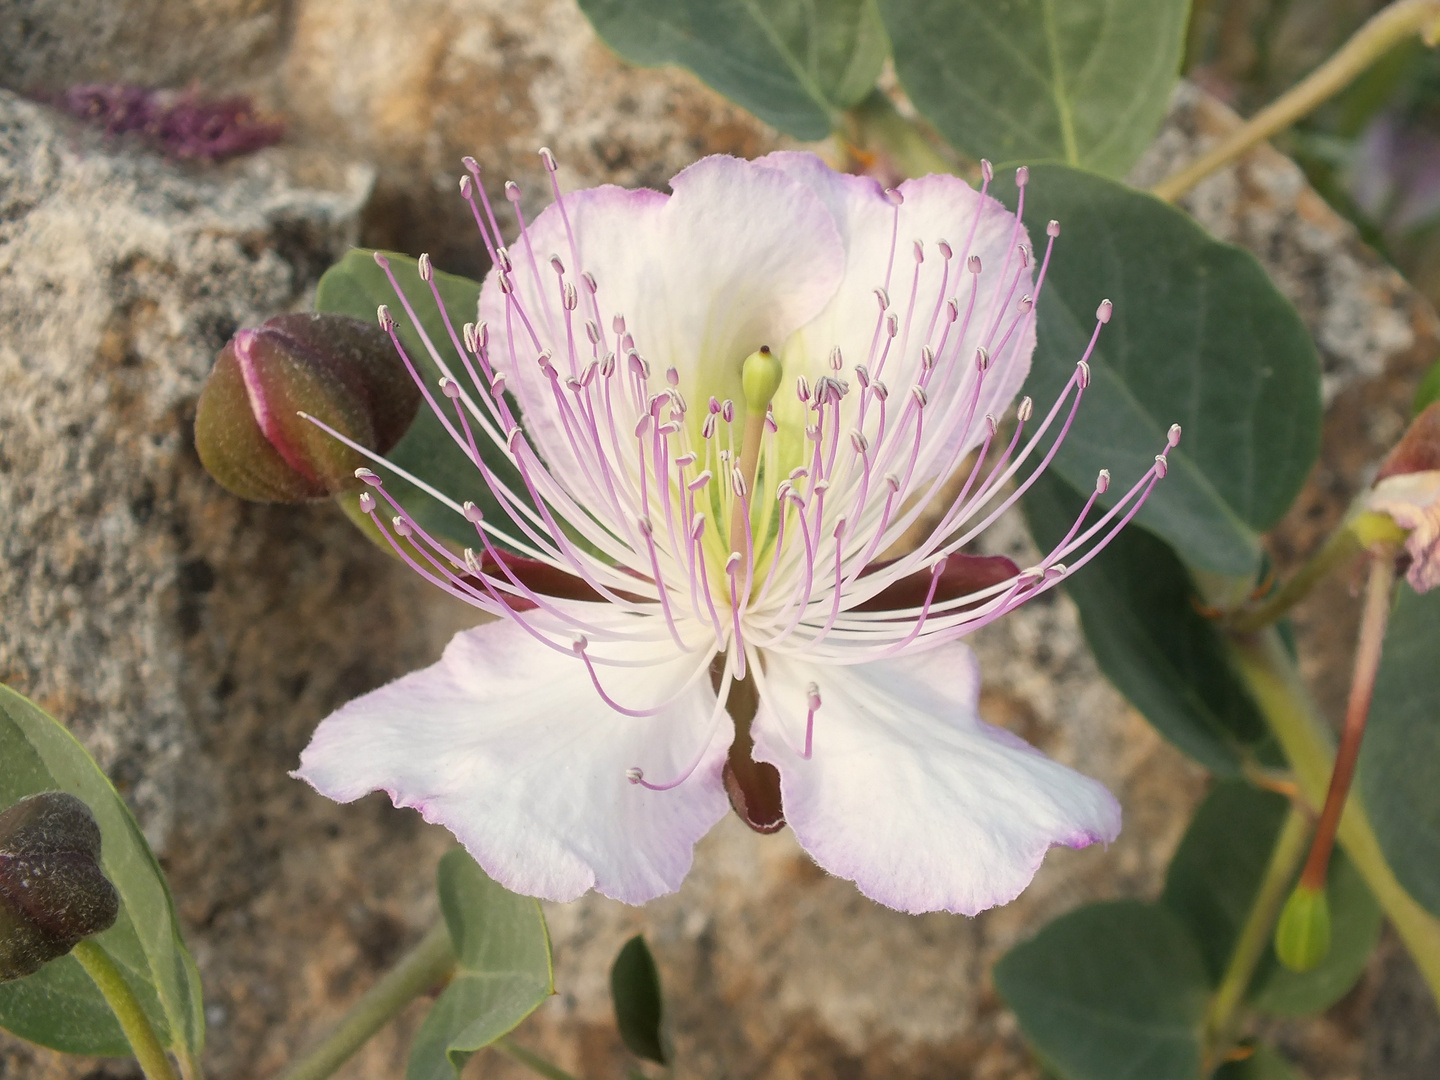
(734, 401)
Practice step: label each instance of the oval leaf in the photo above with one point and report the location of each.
(793, 63)
(1402, 746)
(1199, 337)
(59, 1006)
(639, 1005)
(503, 970)
(356, 286)
(1085, 82)
(1138, 613)
(1110, 992)
(1212, 883)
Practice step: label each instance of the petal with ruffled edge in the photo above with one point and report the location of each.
(938, 207)
(738, 257)
(908, 793)
(506, 743)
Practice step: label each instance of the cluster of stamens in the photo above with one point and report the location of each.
(691, 526)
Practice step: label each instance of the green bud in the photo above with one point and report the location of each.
(52, 890)
(1302, 938)
(340, 370)
(759, 379)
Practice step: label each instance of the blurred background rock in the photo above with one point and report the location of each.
(193, 641)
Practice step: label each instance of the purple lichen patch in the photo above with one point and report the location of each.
(180, 124)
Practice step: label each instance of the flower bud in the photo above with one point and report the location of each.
(340, 370)
(52, 890)
(1302, 938)
(1407, 490)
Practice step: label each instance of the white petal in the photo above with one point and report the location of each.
(908, 793)
(935, 208)
(507, 744)
(738, 257)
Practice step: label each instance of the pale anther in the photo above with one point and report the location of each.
(987, 171)
(919, 252)
(973, 265)
(1022, 176)
(386, 322)
(427, 272)
(449, 387)
(367, 503)
(548, 158)
(1025, 410)
(1173, 435)
(367, 476)
(1083, 369)
(401, 526)
(1102, 482)
(945, 252)
(1053, 228)
(473, 513)
(1103, 312)
(884, 299)
(512, 191)
(557, 265)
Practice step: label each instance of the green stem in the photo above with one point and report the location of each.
(1309, 745)
(534, 1062)
(877, 126)
(427, 965)
(1392, 25)
(1256, 933)
(149, 1051)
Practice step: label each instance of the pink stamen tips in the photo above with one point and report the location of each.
(607, 365)
(472, 562)
(1082, 371)
(991, 424)
(714, 405)
(470, 338)
(982, 358)
(401, 526)
(859, 442)
(1026, 303)
(952, 309)
(892, 324)
(497, 383)
(894, 197)
(592, 331)
(1173, 436)
(1024, 254)
(473, 513)
(549, 159)
(737, 483)
(569, 298)
(449, 387)
(802, 389)
(512, 191)
(1052, 229)
(1025, 410)
(862, 375)
(919, 252)
(635, 775)
(812, 702)
(707, 428)
(700, 481)
(367, 503)
(1162, 466)
(880, 390)
(367, 476)
(589, 280)
(973, 265)
(883, 298)
(987, 171)
(927, 358)
(1022, 176)
(727, 411)
(580, 644)
(380, 260)
(917, 392)
(837, 360)
(672, 376)
(945, 252)
(467, 188)
(502, 259)
(1104, 311)
(1102, 482)
(771, 424)
(427, 272)
(386, 320)
(617, 324)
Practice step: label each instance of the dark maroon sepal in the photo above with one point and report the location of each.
(1418, 449)
(963, 574)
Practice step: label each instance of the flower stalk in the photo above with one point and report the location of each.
(1304, 737)
(427, 965)
(149, 1051)
(1388, 28)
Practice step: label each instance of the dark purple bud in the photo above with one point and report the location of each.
(52, 890)
(344, 372)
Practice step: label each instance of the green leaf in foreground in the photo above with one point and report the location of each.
(1199, 337)
(793, 63)
(1428, 391)
(639, 1005)
(59, 1006)
(503, 970)
(1085, 82)
(1212, 883)
(1111, 991)
(356, 286)
(1402, 746)
(1137, 610)
(1263, 1064)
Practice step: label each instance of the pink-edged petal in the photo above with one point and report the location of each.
(1412, 499)
(935, 208)
(908, 793)
(738, 257)
(507, 744)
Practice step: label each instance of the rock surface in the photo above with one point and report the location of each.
(193, 641)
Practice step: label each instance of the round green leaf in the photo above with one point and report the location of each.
(1137, 610)
(503, 970)
(1085, 82)
(59, 1006)
(356, 286)
(1402, 746)
(639, 1004)
(1199, 337)
(793, 63)
(1111, 991)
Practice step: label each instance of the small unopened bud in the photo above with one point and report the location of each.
(1302, 937)
(343, 371)
(53, 893)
